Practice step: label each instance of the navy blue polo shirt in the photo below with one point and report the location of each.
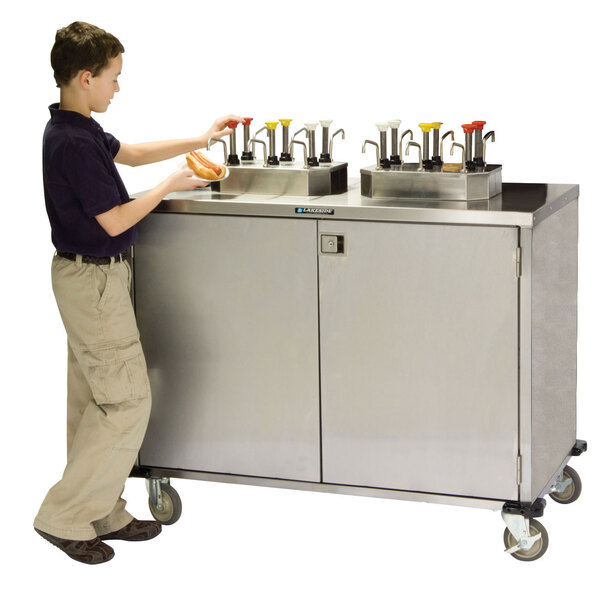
(81, 181)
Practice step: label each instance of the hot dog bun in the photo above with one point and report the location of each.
(204, 168)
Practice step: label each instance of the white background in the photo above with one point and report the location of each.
(528, 68)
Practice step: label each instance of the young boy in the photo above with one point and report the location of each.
(93, 226)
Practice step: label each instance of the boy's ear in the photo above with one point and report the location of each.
(84, 79)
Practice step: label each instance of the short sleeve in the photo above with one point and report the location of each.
(113, 143)
(90, 177)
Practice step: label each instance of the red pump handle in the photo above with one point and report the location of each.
(232, 124)
(248, 120)
(479, 124)
(468, 127)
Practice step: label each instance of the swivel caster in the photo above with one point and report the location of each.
(567, 487)
(524, 537)
(164, 502)
(531, 545)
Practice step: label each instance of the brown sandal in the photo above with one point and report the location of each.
(135, 531)
(90, 552)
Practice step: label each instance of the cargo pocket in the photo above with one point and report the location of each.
(116, 372)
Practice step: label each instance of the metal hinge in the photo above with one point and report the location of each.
(519, 470)
(518, 260)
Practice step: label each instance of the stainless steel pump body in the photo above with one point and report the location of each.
(411, 181)
(289, 179)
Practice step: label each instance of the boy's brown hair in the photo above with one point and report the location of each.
(81, 46)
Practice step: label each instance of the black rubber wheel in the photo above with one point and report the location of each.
(572, 491)
(537, 550)
(171, 506)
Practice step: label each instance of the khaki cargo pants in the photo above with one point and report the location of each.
(108, 399)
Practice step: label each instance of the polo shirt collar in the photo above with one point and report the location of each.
(72, 118)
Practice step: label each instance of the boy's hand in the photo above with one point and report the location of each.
(219, 128)
(183, 180)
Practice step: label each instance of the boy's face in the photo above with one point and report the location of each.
(104, 86)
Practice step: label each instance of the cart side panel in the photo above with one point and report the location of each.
(553, 343)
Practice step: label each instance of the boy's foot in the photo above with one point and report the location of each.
(136, 531)
(90, 552)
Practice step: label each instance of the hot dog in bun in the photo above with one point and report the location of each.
(204, 168)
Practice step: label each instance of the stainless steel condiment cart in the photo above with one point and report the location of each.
(416, 350)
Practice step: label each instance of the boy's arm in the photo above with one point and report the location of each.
(150, 152)
(135, 155)
(124, 216)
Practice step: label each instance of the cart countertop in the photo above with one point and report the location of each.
(519, 205)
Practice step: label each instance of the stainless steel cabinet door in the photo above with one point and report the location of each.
(227, 311)
(419, 358)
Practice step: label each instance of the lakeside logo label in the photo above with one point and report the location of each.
(315, 211)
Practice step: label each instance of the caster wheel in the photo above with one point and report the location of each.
(537, 550)
(171, 510)
(572, 491)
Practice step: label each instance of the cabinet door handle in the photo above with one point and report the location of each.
(333, 243)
